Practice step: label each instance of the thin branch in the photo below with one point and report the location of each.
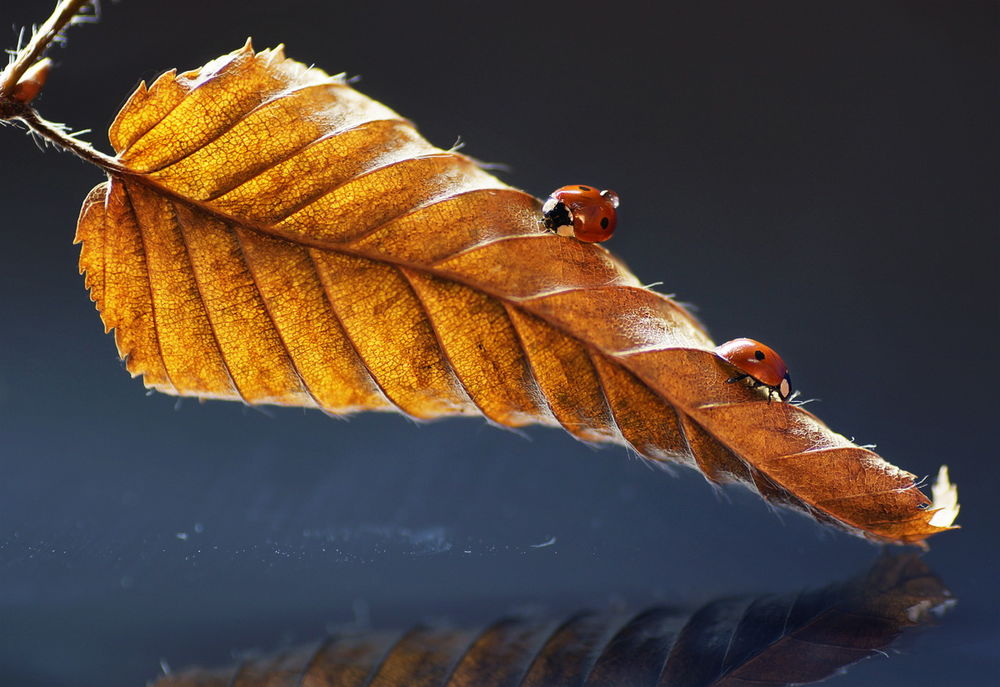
(63, 15)
(15, 106)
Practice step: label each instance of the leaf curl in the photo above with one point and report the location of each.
(271, 235)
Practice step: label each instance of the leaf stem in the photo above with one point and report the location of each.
(63, 15)
(56, 133)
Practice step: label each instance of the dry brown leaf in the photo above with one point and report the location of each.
(271, 235)
(772, 640)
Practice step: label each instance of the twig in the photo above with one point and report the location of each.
(61, 17)
(15, 106)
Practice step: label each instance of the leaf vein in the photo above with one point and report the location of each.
(272, 99)
(182, 231)
(347, 335)
(149, 280)
(270, 316)
(289, 155)
(440, 343)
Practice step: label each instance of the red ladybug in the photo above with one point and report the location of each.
(582, 212)
(759, 362)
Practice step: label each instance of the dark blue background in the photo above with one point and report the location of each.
(822, 176)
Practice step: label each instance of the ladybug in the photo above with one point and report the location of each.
(581, 211)
(758, 362)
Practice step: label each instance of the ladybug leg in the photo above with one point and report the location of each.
(737, 378)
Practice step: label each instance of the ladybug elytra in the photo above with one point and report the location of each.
(582, 212)
(758, 362)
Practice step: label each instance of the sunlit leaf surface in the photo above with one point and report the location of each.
(275, 237)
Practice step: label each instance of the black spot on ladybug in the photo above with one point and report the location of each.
(604, 223)
(586, 188)
(759, 355)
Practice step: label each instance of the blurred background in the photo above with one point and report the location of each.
(820, 176)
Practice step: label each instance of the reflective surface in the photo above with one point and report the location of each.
(796, 638)
(821, 178)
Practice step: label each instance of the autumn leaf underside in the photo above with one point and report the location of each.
(281, 238)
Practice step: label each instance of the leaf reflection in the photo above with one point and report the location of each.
(766, 640)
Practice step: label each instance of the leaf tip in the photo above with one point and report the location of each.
(945, 500)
